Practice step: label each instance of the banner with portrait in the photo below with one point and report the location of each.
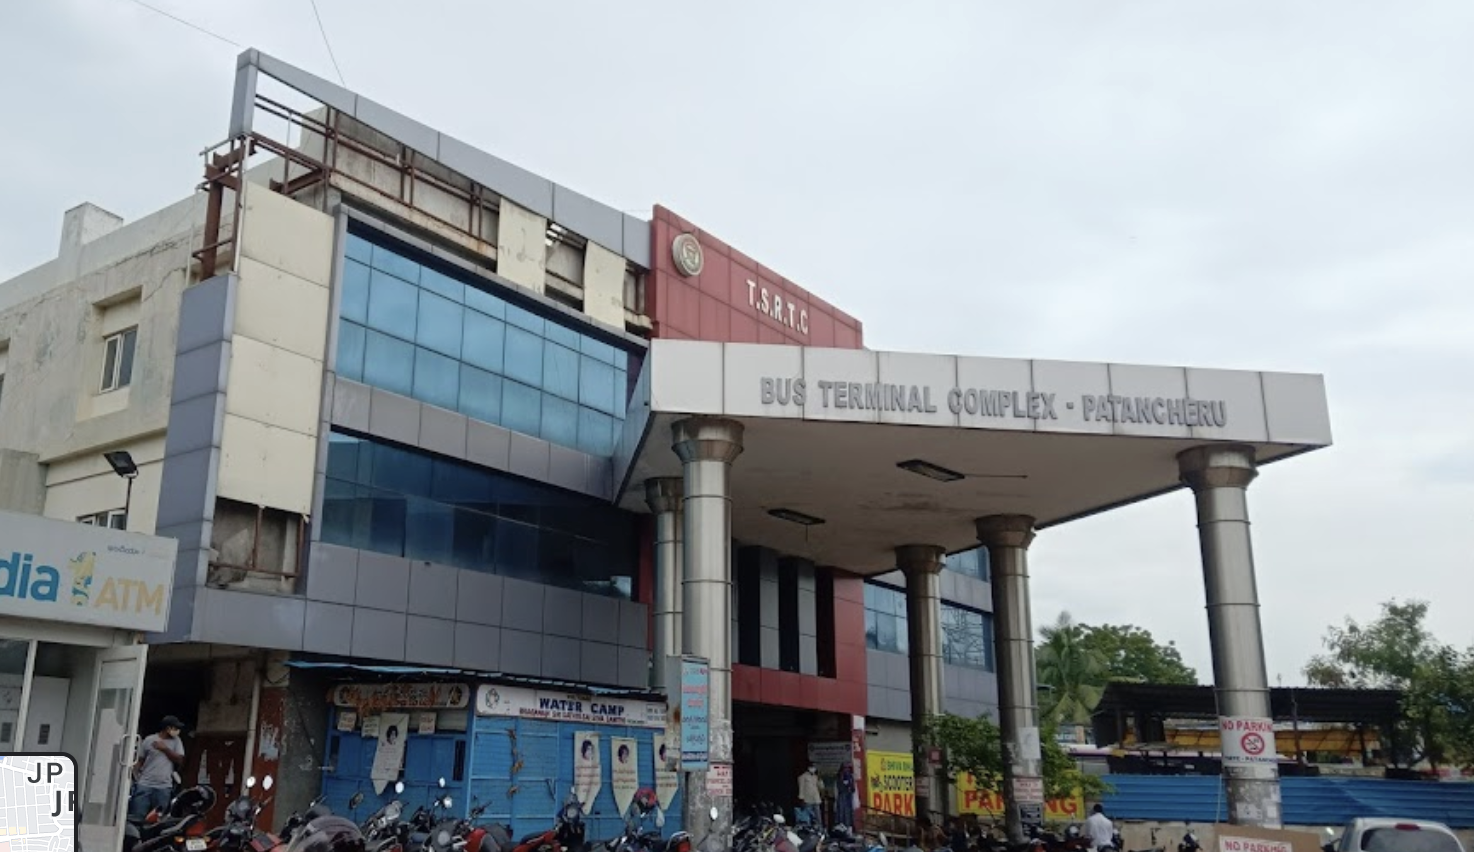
(389, 755)
(667, 764)
(587, 768)
(624, 772)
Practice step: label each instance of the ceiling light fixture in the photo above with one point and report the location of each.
(795, 517)
(929, 470)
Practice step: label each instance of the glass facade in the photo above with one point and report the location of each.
(444, 338)
(402, 502)
(971, 563)
(967, 634)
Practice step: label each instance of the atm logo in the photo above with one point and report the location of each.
(25, 577)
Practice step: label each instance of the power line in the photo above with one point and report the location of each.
(197, 27)
(327, 44)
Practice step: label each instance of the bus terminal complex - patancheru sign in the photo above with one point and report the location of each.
(982, 402)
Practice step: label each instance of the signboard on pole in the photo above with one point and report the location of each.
(1247, 741)
(695, 712)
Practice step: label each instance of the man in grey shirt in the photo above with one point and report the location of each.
(159, 755)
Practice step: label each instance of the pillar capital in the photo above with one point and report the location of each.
(920, 558)
(707, 439)
(1005, 531)
(1217, 466)
(663, 493)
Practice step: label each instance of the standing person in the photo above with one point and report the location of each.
(159, 755)
(809, 797)
(844, 796)
(1099, 830)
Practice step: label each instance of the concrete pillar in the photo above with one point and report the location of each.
(1219, 477)
(707, 446)
(1007, 538)
(922, 565)
(663, 496)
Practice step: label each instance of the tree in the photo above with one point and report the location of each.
(974, 747)
(1133, 655)
(1397, 652)
(1071, 673)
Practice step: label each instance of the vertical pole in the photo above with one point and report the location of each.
(128, 503)
(707, 446)
(1219, 476)
(922, 566)
(1007, 538)
(664, 499)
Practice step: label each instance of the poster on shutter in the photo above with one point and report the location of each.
(389, 756)
(587, 771)
(624, 773)
(427, 722)
(667, 760)
(370, 729)
(347, 721)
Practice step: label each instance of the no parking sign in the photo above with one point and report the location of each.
(1247, 740)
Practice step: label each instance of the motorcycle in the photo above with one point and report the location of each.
(239, 833)
(180, 828)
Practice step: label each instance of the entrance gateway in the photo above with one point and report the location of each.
(74, 602)
(868, 462)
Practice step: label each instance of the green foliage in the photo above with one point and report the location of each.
(1397, 652)
(1132, 654)
(974, 747)
(1071, 673)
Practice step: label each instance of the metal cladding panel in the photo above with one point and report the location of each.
(527, 798)
(1307, 801)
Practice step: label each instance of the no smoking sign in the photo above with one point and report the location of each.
(1253, 744)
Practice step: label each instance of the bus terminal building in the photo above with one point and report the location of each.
(450, 448)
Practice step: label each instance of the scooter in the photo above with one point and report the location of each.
(180, 828)
(239, 833)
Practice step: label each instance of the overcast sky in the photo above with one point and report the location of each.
(1270, 185)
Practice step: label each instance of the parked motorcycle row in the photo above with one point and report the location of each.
(433, 828)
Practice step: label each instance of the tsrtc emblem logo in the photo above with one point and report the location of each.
(687, 254)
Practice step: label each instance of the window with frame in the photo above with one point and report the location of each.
(971, 563)
(113, 518)
(117, 359)
(967, 637)
(4, 363)
(885, 619)
(448, 337)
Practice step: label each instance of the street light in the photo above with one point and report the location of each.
(124, 466)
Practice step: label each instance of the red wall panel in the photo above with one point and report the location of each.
(725, 302)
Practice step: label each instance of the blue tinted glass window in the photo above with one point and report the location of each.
(389, 363)
(485, 302)
(393, 305)
(400, 470)
(355, 291)
(560, 420)
(526, 320)
(442, 284)
(437, 379)
(359, 248)
(440, 325)
(402, 318)
(596, 433)
(885, 619)
(562, 334)
(481, 395)
(396, 264)
(522, 408)
(967, 637)
(351, 342)
(429, 531)
(560, 371)
(596, 384)
(597, 349)
(484, 340)
(524, 356)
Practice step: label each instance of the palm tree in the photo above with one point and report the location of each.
(1072, 676)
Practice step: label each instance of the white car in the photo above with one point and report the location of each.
(1397, 835)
